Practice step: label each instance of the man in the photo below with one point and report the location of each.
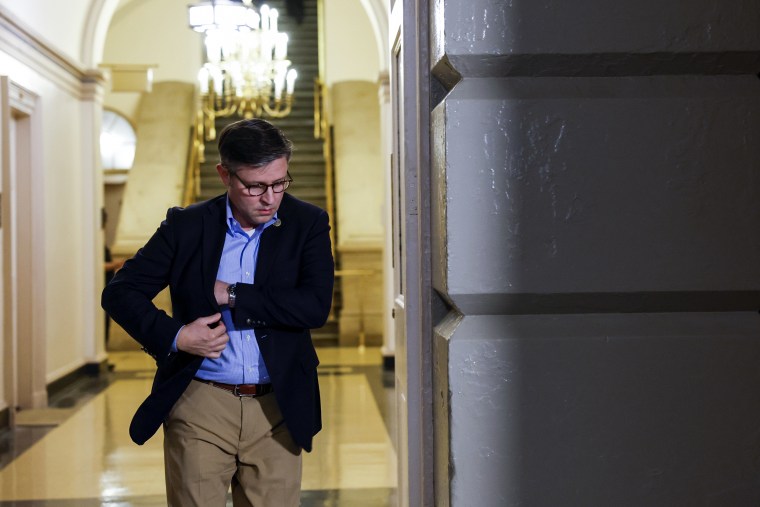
(249, 272)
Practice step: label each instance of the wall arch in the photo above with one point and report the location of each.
(95, 29)
(378, 18)
(101, 12)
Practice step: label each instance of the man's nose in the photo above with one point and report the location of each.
(268, 195)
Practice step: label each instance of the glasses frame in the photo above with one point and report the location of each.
(266, 187)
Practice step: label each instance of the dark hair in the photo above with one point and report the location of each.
(254, 142)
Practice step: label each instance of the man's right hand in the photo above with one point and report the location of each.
(201, 339)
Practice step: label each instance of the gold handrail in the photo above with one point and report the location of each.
(195, 156)
(320, 115)
(321, 131)
(318, 133)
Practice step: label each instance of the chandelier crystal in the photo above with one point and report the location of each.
(246, 71)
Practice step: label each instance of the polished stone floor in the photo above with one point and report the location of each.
(88, 459)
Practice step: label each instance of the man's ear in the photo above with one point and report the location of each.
(223, 174)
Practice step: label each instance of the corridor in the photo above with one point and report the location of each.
(78, 452)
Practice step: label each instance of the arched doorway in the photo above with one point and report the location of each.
(114, 20)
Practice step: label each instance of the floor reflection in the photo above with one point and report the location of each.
(89, 460)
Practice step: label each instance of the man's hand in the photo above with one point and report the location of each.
(220, 292)
(201, 339)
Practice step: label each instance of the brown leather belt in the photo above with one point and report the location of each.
(252, 390)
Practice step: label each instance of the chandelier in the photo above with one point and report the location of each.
(246, 71)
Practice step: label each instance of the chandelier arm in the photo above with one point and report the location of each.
(281, 108)
(218, 110)
(210, 122)
(250, 107)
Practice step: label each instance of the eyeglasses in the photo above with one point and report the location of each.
(256, 189)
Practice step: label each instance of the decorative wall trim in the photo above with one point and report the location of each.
(21, 43)
(24, 258)
(378, 13)
(21, 99)
(99, 18)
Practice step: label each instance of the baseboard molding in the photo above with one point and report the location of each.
(86, 370)
(5, 418)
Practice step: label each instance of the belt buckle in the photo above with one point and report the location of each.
(236, 391)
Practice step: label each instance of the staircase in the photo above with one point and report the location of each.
(307, 165)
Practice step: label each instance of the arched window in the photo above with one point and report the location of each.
(117, 144)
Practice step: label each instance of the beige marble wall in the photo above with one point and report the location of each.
(361, 283)
(156, 180)
(359, 209)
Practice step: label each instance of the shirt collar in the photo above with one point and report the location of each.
(234, 226)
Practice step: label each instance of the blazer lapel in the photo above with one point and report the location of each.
(270, 242)
(268, 247)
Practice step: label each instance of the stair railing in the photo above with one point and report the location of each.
(195, 156)
(322, 132)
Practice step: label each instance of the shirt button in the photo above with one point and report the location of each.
(248, 337)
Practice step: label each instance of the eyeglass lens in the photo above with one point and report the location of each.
(260, 188)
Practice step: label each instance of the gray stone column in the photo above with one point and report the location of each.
(596, 243)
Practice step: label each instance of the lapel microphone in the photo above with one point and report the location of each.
(277, 223)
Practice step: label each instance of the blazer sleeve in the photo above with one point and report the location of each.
(128, 298)
(306, 303)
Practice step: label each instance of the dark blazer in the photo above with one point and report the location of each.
(291, 294)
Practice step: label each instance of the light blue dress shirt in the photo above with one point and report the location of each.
(241, 361)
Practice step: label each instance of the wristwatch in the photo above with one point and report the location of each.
(231, 295)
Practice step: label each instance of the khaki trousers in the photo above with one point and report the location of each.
(214, 440)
